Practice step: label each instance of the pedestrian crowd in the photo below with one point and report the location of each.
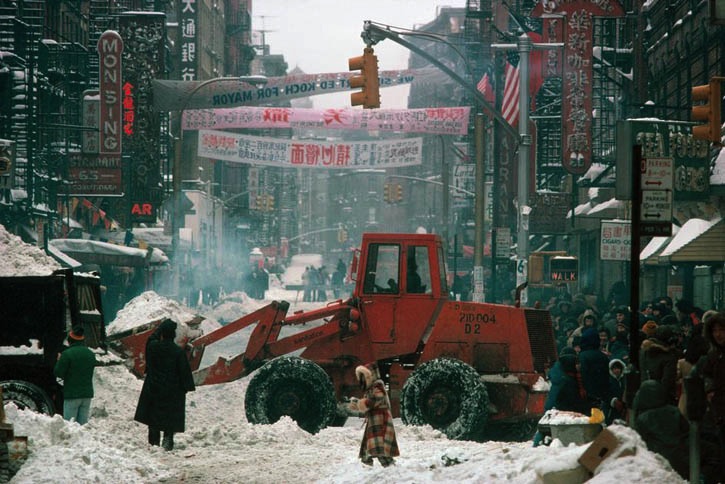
(674, 342)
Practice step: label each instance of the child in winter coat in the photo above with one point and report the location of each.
(379, 439)
(617, 409)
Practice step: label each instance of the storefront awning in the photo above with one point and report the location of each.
(610, 209)
(698, 241)
(102, 253)
(651, 252)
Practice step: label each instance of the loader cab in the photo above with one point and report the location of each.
(400, 282)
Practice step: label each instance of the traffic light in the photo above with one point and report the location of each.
(367, 64)
(710, 111)
(270, 203)
(341, 235)
(386, 192)
(398, 192)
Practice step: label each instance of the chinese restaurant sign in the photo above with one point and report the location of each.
(143, 61)
(288, 153)
(577, 69)
(97, 171)
(452, 120)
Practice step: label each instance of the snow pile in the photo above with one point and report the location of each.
(561, 417)
(149, 307)
(233, 306)
(20, 259)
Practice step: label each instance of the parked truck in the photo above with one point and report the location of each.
(457, 366)
(37, 314)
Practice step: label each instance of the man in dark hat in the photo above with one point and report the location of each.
(75, 367)
(162, 403)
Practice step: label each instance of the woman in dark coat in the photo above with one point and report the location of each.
(162, 404)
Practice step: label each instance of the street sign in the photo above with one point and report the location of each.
(656, 214)
(658, 174)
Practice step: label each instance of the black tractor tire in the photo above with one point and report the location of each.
(292, 386)
(448, 395)
(28, 396)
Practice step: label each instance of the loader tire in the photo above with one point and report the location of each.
(448, 395)
(26, 395)
(291, 386)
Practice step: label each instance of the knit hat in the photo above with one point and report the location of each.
(649, 328)
(77, 333)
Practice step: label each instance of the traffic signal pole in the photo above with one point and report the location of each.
(372, 34)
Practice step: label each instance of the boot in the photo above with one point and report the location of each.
(168, 442)
(154, 436)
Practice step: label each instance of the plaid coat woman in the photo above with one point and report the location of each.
(379, 439)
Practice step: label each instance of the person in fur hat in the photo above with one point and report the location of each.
(379, 439)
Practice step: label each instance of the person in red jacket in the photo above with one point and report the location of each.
(379, 440)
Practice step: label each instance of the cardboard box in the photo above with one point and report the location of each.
(600, 449)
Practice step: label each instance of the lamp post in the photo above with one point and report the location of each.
(177, 221)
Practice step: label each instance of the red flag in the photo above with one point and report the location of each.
(510, 106)
(484, 85)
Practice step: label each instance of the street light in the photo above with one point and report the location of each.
(176, 218)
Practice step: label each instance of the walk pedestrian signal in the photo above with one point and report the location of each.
(367, 64)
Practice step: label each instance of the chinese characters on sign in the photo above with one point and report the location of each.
(187, 49)
(452, 120)
(128, 109)
(615, 241)
(309, 154)
(576, 111)
(143, 61)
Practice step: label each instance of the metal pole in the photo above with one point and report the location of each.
(478, 287)
(522, 241)
(445, 175)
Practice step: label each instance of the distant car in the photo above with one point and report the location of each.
(292, 275)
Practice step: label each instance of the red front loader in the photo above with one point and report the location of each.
(457, 366)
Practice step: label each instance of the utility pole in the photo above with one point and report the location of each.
(524, 46)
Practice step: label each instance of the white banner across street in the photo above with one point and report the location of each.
(287, 153)
(443, 120)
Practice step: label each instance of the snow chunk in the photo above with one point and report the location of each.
(20, 259)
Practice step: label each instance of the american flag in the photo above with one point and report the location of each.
(510, 105)
(484, 86)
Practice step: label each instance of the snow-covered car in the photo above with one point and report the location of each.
(292, 275)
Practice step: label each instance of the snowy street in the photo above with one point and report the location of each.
(219, 445)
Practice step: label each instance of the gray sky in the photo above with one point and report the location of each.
(320, 35)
